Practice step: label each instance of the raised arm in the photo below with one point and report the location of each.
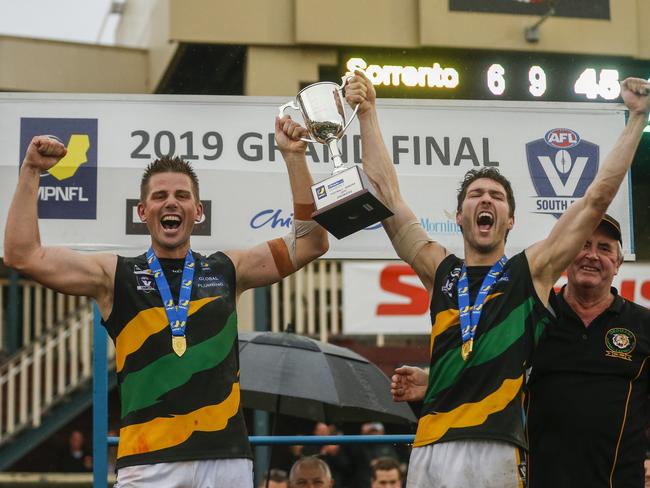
(61, 269)
(550, 257)
(271, 261)
(409, 239)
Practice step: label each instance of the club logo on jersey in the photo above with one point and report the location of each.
(145, 283)
(450, 285)
(620, 343)
(68, 190)
(561, 165)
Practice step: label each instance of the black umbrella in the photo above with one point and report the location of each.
(298, 376)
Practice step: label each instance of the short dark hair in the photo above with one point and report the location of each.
(384, 464)
(489, 173)
(276, 475)
(168, 164)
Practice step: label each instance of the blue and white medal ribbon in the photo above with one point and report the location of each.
(469, 320)
(176, 313)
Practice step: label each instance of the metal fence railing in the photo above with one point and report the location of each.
(41, 374)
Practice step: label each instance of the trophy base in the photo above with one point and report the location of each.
(346, 203)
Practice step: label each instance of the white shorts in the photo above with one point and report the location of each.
(212, 473)
(466, 464)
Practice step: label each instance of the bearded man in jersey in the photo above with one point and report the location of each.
(172, 315)
(487, 311)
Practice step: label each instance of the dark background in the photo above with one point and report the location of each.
(585, 9)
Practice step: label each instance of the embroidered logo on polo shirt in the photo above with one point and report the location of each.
(620, 343)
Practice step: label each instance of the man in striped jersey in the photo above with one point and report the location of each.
(487, 311)
(172, 315)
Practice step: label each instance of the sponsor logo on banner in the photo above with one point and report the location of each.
(276, 217)
(446, 226)
(561, 165)
(68, 190)
(134, 226)
(620, 343)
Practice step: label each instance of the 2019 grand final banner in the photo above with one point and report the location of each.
(549, 151)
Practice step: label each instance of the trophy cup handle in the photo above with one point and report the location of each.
(344, 81)
(292, 104)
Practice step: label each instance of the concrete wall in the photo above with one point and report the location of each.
(404, 23)
(38, 65)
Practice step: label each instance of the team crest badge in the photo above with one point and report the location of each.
(145, 283)
(620, 343)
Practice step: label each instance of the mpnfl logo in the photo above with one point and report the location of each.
(562, 165)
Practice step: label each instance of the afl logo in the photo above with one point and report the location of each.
(562, 138)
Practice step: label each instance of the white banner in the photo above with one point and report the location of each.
(550, 152)
(386, 297)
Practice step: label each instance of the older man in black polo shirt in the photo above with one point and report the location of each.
(588, 388)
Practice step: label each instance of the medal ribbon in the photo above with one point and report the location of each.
(469, 320)
(176, 313)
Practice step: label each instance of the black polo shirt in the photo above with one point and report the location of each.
(588, 392)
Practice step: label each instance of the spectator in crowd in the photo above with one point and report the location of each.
(75, 459)
(378, 450)
(358, 457)
(310, 472)
(277, 479)
(330, 453)
(386, 473)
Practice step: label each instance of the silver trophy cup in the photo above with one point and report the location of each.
(323, 109)
(346, 201)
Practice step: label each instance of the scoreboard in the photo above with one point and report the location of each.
(473, 74)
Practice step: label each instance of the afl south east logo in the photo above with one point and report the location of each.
(620, 343)
(561, 165)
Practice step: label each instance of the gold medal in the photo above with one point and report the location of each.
(466, 350)
(179, 345)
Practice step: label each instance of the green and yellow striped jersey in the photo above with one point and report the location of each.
(480, 398)
(177, 408)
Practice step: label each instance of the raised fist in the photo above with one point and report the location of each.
(44, 152)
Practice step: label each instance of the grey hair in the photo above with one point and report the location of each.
(310, 461)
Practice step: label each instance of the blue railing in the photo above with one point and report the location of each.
(304, 440)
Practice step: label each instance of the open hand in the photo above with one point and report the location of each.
(408, 384)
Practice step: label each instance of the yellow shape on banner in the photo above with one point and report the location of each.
(77, 149)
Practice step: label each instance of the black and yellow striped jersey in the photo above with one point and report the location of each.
(177, 408)
(481, 398)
